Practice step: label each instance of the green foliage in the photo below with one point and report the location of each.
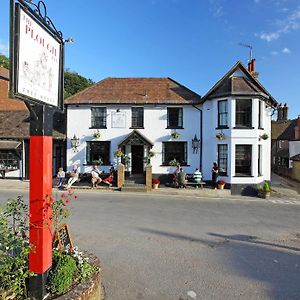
(14, 249)
(4, 61)
(74, 83)
(174, 162)
(266, 187)
(63, 273)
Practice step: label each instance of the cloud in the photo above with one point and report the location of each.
(274, 53)
(286, 51)
(217, 8)
(292, 22)
(3, 48)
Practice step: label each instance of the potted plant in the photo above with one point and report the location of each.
(97, 134)
(264, 136)
(155, 183)
(264, 191)
(175, 135)
(97, 162)
(221, 184)
(220, 136)
(174, 162)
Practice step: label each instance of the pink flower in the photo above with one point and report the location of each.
(63, 195)
(75, 197)
(29, 215)
(67, 201)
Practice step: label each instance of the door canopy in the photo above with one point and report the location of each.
(135, 138)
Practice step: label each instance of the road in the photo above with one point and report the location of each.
(174, 247)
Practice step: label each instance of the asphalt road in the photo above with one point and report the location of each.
(169, 247)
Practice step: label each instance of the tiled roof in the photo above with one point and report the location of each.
(284, 130)
(4, 73)
(232, 84)
(296, 157)
(135, 90)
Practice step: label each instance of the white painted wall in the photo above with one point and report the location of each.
(155, 123)
(235, 137)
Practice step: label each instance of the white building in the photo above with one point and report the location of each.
(161, 115)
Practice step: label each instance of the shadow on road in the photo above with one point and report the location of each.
(276, 266)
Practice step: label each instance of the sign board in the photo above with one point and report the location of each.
(118, 120)
(37, 61)
(62, 239)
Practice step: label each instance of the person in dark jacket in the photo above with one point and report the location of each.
(214, 175)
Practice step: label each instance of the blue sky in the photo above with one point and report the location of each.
(194, 42)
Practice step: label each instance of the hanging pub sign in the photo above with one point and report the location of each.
(37, 57)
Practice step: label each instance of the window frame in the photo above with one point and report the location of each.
(182, 162)
(10, 158)
(243, 114)
(259, 160)
(137, 109)
(101, 125)
(106, 160)
(220, 114)
(244, 174)
(179, 118)
(223, 173)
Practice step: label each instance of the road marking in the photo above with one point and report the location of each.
(192, 294)
(280, 201)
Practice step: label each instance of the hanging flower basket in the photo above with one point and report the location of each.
(97, 134)
(175, 135)
(264, 136)
(220, 136)
(118, 153)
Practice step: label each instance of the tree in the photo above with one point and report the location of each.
(74, 83)
(4, 61)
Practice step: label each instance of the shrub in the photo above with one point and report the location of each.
(266, 187)
(14, 249)
(63, 273)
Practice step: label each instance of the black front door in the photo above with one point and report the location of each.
(137, 156)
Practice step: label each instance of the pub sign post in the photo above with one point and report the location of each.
(36, 77)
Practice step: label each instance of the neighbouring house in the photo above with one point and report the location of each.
(14, 134)
(286, 144)
(230, 125)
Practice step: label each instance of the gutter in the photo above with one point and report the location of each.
(201, 135)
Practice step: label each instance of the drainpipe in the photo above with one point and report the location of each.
(201, 135)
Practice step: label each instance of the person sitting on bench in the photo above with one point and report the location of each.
(197, 176)
(181, 179)
(96, 176)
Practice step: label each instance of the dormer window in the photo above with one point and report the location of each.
(243, 113)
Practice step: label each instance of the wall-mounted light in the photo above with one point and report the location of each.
(195, 144)
(75, 143)
(118, 110)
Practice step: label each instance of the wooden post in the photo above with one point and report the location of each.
(121, 176)
(148, 178)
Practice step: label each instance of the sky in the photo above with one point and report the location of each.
(195, 42)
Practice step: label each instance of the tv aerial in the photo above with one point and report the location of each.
(250, 49)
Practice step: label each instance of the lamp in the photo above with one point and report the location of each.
(195, 144)
(75, 143)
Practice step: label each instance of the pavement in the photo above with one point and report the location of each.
(281, 188)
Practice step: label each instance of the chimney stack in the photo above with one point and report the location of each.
(297, 129)
(285, 112)
(251, 68)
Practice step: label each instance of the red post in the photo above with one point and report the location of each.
(40, 233)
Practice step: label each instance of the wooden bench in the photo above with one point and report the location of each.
(196, 184)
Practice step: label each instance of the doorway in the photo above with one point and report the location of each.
(137, 156)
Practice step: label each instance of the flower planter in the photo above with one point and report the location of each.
(155, 186)
(91, 289)
(264, 195)
(221, 186)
